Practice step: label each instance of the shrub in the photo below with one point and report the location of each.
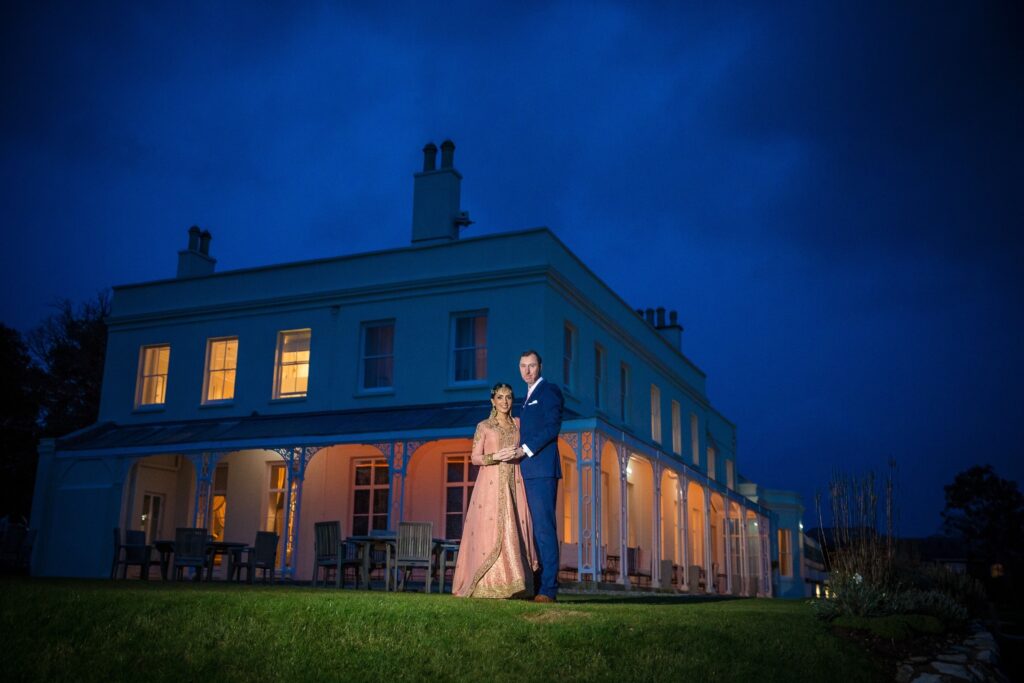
(961, 588)
(934, 603)
(894, 626)
(851, 595)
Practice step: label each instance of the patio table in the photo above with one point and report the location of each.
(389, 539)
(213, 548)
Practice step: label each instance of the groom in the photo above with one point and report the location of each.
(541, 420)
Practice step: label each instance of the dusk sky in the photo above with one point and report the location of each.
(831, 197)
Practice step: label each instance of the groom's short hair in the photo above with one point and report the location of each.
(531, 352)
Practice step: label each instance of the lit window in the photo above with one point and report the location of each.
(785, 552)
(656, 414)
(152, 384)
(221, 364)
(598, 376)
(568, 356)
(711, 463)
(469, 347)
(292, 377)
(371, 496)
(730, 474)
(461, 475)
(694, 440)
(624, 393)
(378, 364)
(677, 429)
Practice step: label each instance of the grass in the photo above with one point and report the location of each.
(101, 630)
(893, 626)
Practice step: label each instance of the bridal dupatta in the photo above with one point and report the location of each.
(496, 556)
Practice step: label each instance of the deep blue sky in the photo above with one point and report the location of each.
(831, 197)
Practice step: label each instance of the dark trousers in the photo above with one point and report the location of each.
(541, 496)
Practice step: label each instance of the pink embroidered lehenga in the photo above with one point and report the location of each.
(496, 556)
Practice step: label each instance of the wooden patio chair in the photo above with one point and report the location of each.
(261, 555)
(131, 551)
(634, 557)
(190, 550)
(331, 552)
(414, 550)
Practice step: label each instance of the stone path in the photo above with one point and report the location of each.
(974, 659)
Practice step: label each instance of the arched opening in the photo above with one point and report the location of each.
(611, 514)
(671, 549)
(718, 542)
(736, 550)
(640, 530)
(159, 496)
(695, 522)
(439, 484)
(753, 553)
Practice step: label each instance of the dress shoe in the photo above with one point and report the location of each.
(540, 597)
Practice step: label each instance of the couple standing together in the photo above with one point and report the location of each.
(513, 503)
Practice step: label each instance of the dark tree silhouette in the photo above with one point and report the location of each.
(19, 427)
(987, 511)
(70, 347)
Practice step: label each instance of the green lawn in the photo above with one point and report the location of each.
(101, 630)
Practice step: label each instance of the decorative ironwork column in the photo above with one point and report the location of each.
(296, 459)
(709, 570)
(683, 493)
(592, 560)
(205, 463)
(623, 455)
(656, 468)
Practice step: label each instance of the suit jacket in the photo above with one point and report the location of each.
(540, 422)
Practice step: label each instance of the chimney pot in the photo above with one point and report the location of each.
(649, 315)
(204, 243)
(193, 238)
(673, 318)
(430, 157)
(640, 312)
(447, 154)
(661, 316)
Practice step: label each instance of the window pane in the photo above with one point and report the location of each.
(454, 502)
(473, 471)
(380, 501)
(380, 475)
(455, 470)
(362, 501)
(363, 475)
(464, 332)
(380, 522)
(360, 525)
(464, 365)
(453, 526)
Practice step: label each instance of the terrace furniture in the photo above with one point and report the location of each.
(447, 557)
(190, 550)
(634, 558)
(611, 568)
(695, 578)
(131, 551)
(414, 550)
(330, 552)
(260, 555)
(568, 558)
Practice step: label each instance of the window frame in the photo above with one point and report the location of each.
(375, 463)
(206, 400)
(625, 393)
(695, 439)
(469, 474)
(677, 428)
(656, 432)
(279, 367)
(364, 328)
(453, 350)
(140, 377)
(600, 376)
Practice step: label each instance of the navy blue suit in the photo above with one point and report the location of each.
(540, 422)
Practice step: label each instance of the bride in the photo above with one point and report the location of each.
(497, 557)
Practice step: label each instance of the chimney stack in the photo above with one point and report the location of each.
(196, 260)
(436, 216)
(673, 331)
